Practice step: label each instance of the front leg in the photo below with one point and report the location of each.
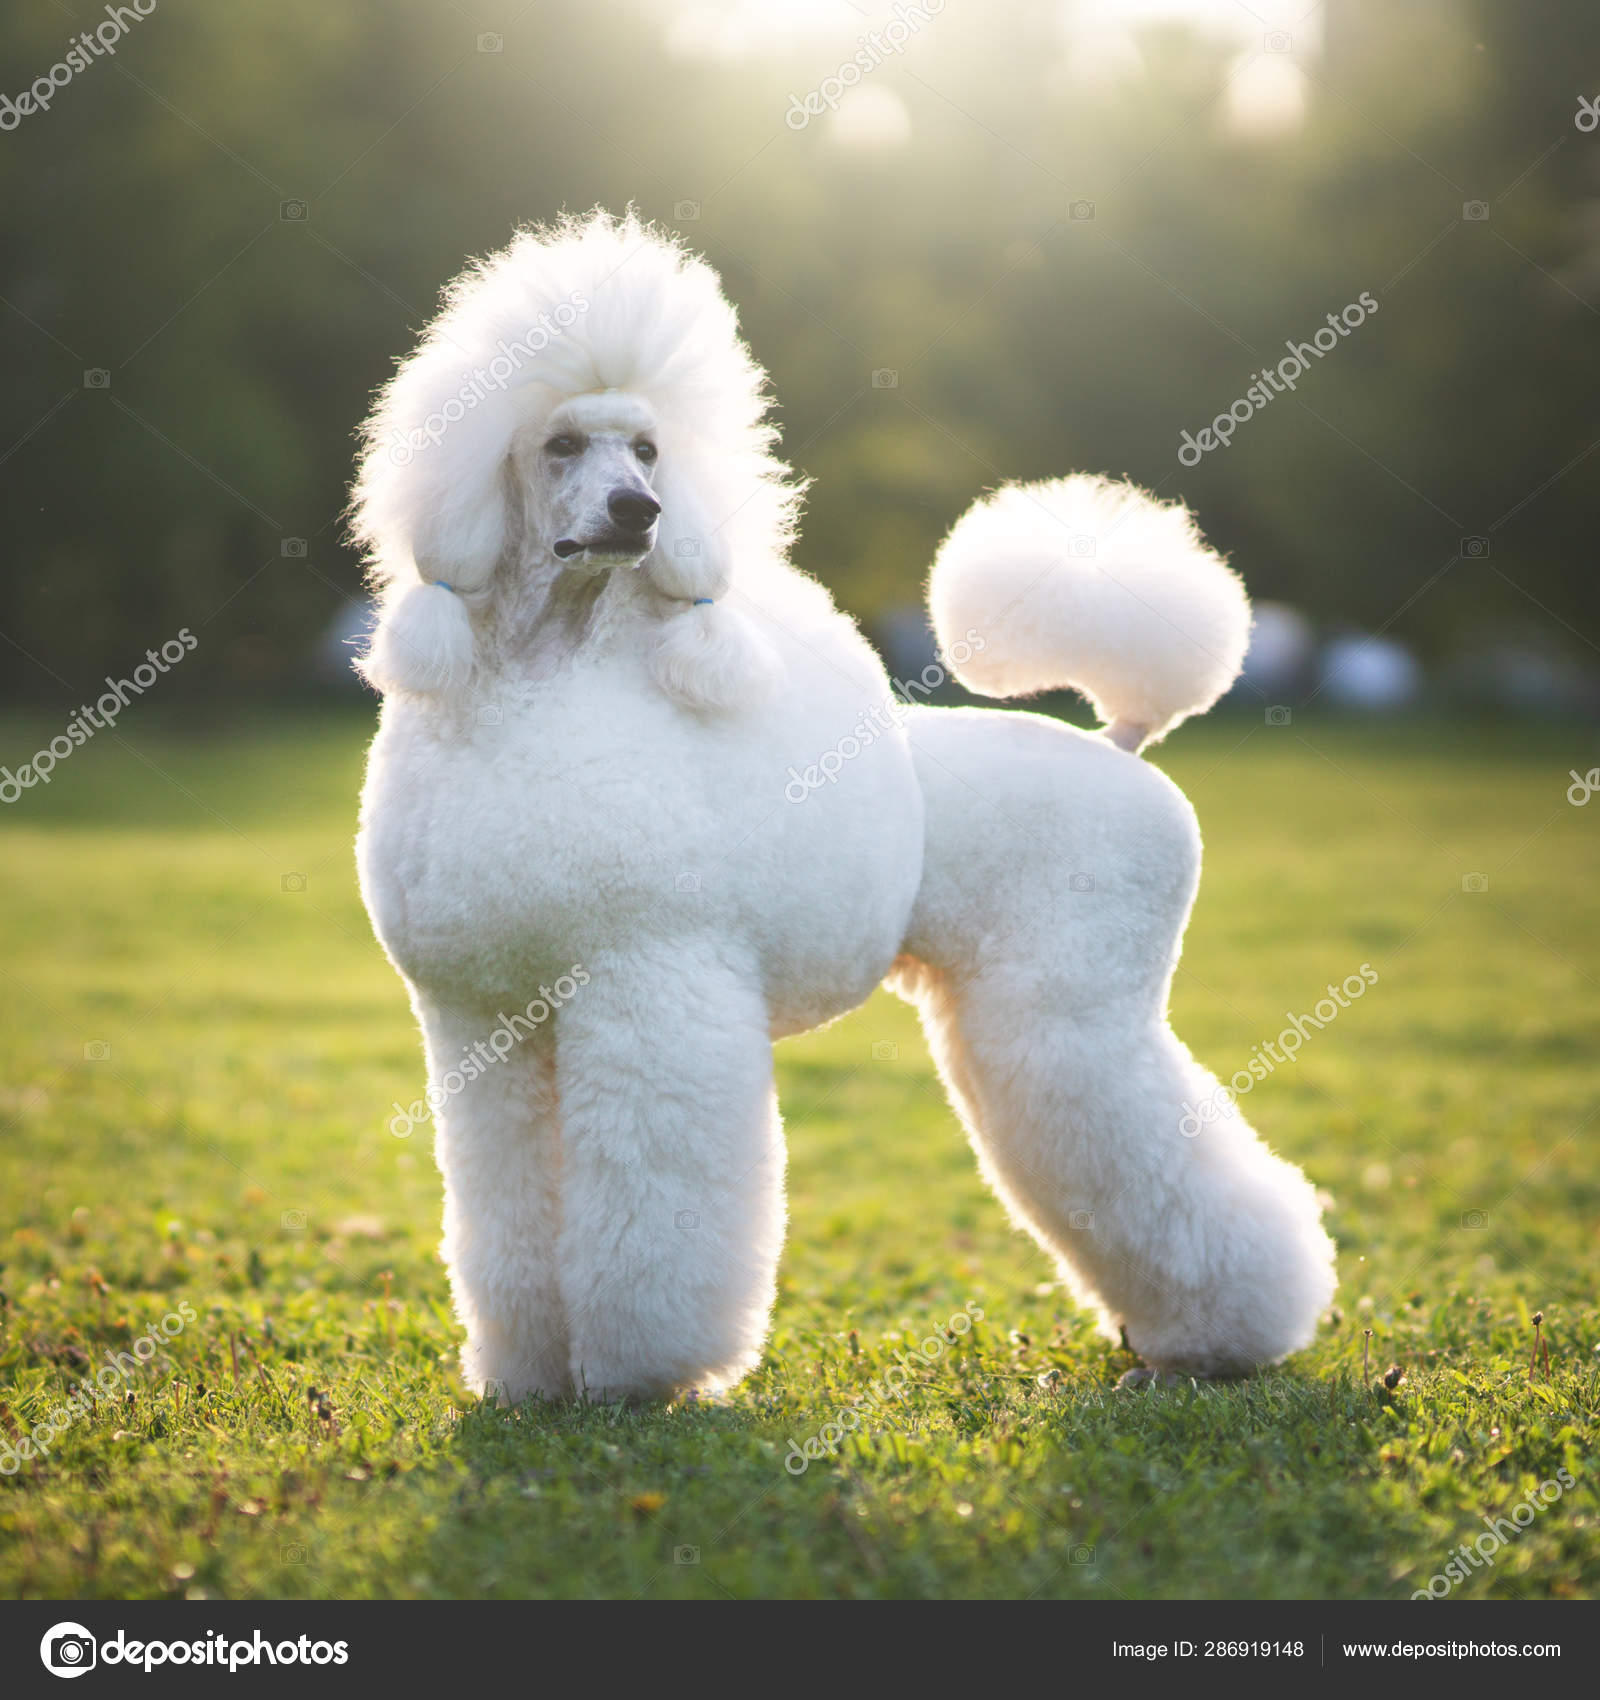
(672, 1173)
(498, 1148)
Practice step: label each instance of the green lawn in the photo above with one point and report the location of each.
(202, 1043)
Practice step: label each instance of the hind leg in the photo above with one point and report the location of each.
(1207, 1254)
(1059, 877)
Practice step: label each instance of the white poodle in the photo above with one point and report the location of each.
(642, 801)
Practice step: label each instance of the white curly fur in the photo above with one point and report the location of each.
(590, 305)
(632, 813)
(1093, 584)
(422, 644)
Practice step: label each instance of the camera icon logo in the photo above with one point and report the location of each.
(884, 1050)
(293, 212)
(686, 548)
(1474, 548)
(1081, 1555)
(1081, 882)
(292, 548)
(686, 1555)
(97, 1050)
(1081, 211)
(1082, 547)
(294, 1554)
(685, 212)
(489, 42)
(1280, 41)
(293, 1220)
(886, 378)
(489, 714)
(1080, 1219)
(1278, 715)
(68, 1650)
(687, 882)
(686, 1221)
(1474, 1218)
(293, 882)
(1474, 882)
(97, 378)
(1475, 211)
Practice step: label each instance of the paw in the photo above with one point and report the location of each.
(1144, 1376)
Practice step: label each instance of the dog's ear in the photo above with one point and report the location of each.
(431, 489)
(710, 656)
(691, 559)
(454, 503)
(422, 643)
(437, 498)
(461, 546)
(715, 659)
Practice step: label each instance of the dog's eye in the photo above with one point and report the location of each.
(646, 452)
(564, 447)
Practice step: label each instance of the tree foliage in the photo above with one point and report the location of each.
(154, 234)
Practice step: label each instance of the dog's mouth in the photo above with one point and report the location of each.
(609, 546)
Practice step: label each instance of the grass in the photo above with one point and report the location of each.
(188, 903)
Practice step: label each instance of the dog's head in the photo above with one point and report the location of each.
(588, 474)
(583, 405)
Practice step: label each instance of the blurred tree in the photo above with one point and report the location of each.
(1052, 257)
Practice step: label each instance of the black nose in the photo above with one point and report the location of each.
(633, 510)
